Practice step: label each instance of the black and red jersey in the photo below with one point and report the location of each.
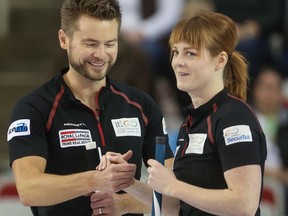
(51, 123)
(217, 136)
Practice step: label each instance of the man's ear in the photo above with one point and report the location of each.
(63, 39)
(222, 59)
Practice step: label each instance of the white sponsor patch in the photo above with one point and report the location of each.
(74, 137)
(196, 143)
(126, 127)
(91, 145)
(237, 134)
(20, 127)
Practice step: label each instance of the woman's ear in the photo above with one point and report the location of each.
(63, 39)
(222, 59)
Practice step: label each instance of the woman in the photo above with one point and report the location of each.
(219, 162)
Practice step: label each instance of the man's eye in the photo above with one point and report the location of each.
(110, 45)
(90, 44)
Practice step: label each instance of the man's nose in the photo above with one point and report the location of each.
(99, 51)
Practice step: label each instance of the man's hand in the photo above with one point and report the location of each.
(115, 177)
(104, 203)
(113, 157)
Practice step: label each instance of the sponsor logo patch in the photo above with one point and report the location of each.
(20, 127)
(74, 137)
(237, 134)
(196, 143)
(91, 145)
(126, 127)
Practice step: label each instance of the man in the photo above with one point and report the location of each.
(57, 130)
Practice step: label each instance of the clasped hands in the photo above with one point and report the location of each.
(118, 174)
(159, 178)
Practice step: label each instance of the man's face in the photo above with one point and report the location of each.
(92, 48)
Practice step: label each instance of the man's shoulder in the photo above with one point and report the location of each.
(130, 91)
(42, 93)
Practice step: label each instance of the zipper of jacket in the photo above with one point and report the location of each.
(97, 114)
(186, 136)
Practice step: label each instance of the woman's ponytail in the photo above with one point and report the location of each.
(236, 75)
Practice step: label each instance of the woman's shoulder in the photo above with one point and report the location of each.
(234, 111)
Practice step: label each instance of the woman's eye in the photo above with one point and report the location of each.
(175, 52)
(190, 54)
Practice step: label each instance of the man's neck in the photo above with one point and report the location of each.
(84, 89)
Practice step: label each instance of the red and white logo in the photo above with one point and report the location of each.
(74, 137)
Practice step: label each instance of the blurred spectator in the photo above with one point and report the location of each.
(285, 91)
(193, 6)
(4, 18)
(133, 67)
(282, 141)
(283, 60)
(257, 21)
(146, 22)
(267, 100)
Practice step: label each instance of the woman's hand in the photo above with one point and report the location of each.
(160, 178)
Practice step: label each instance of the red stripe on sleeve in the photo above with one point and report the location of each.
(54, 108)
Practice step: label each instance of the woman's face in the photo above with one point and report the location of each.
(194, 69)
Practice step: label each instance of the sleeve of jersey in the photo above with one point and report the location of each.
(156, 127)
(240, 140)
(26, 134)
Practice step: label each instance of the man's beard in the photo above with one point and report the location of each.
(89, 74)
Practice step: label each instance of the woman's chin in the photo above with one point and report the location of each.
(182, 87)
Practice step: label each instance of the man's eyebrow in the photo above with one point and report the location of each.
(89, 40)
(93, 40)
(113, 40)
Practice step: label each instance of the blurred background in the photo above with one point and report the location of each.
(30, 55)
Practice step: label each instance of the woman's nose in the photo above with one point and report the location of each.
(178, 61)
